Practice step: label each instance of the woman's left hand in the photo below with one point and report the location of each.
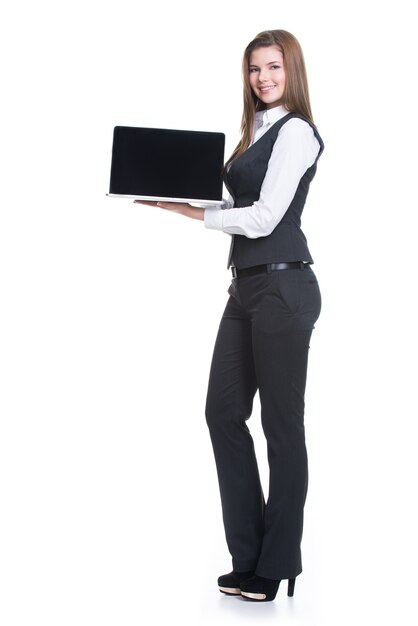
(183, 208)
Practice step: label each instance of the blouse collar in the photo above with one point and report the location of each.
(269, 116)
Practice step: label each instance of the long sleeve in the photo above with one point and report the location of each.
(227, 203)
(294, 151)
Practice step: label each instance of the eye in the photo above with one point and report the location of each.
(275, 67)
(253, 69)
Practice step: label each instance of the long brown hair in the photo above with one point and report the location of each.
(296, 93)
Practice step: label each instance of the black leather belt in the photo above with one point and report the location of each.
(267, 268)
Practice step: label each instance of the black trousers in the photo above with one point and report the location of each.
(263, 343)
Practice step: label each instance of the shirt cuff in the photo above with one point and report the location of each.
(213, 218)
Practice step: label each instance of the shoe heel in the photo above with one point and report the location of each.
(291, 587)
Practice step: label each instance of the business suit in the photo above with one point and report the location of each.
(263, 343)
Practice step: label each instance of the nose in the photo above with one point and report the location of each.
(262, 77)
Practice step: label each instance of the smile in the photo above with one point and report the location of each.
(265, 89)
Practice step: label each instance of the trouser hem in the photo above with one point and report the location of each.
(276, 574)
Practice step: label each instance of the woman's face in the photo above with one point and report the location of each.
(267, 75)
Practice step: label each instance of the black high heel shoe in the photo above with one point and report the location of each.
(264, 589)
(231, 583)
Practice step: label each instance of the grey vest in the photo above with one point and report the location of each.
(243, 181)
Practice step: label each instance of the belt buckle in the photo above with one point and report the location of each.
(234, 272)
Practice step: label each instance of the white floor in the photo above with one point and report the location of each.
(99, 558)
(113, 592)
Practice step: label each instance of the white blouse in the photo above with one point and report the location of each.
(294, 151)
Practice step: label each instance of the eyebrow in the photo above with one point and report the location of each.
(269, 63)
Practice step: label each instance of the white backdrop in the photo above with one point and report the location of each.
(110, 505)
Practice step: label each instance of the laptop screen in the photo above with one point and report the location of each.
(167, 163)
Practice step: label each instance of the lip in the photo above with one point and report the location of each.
(267, 88)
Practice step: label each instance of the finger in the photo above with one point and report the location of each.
(173, 206)
(170, 206)
(147, 202)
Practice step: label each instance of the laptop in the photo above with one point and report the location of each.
(167, 165)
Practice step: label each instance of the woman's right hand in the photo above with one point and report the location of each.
(183, 208)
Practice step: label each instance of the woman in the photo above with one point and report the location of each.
(264, 334)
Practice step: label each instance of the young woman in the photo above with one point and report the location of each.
(264, 334)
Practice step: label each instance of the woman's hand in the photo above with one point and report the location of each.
(183, 208)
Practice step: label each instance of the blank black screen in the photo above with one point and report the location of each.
(168, 163)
